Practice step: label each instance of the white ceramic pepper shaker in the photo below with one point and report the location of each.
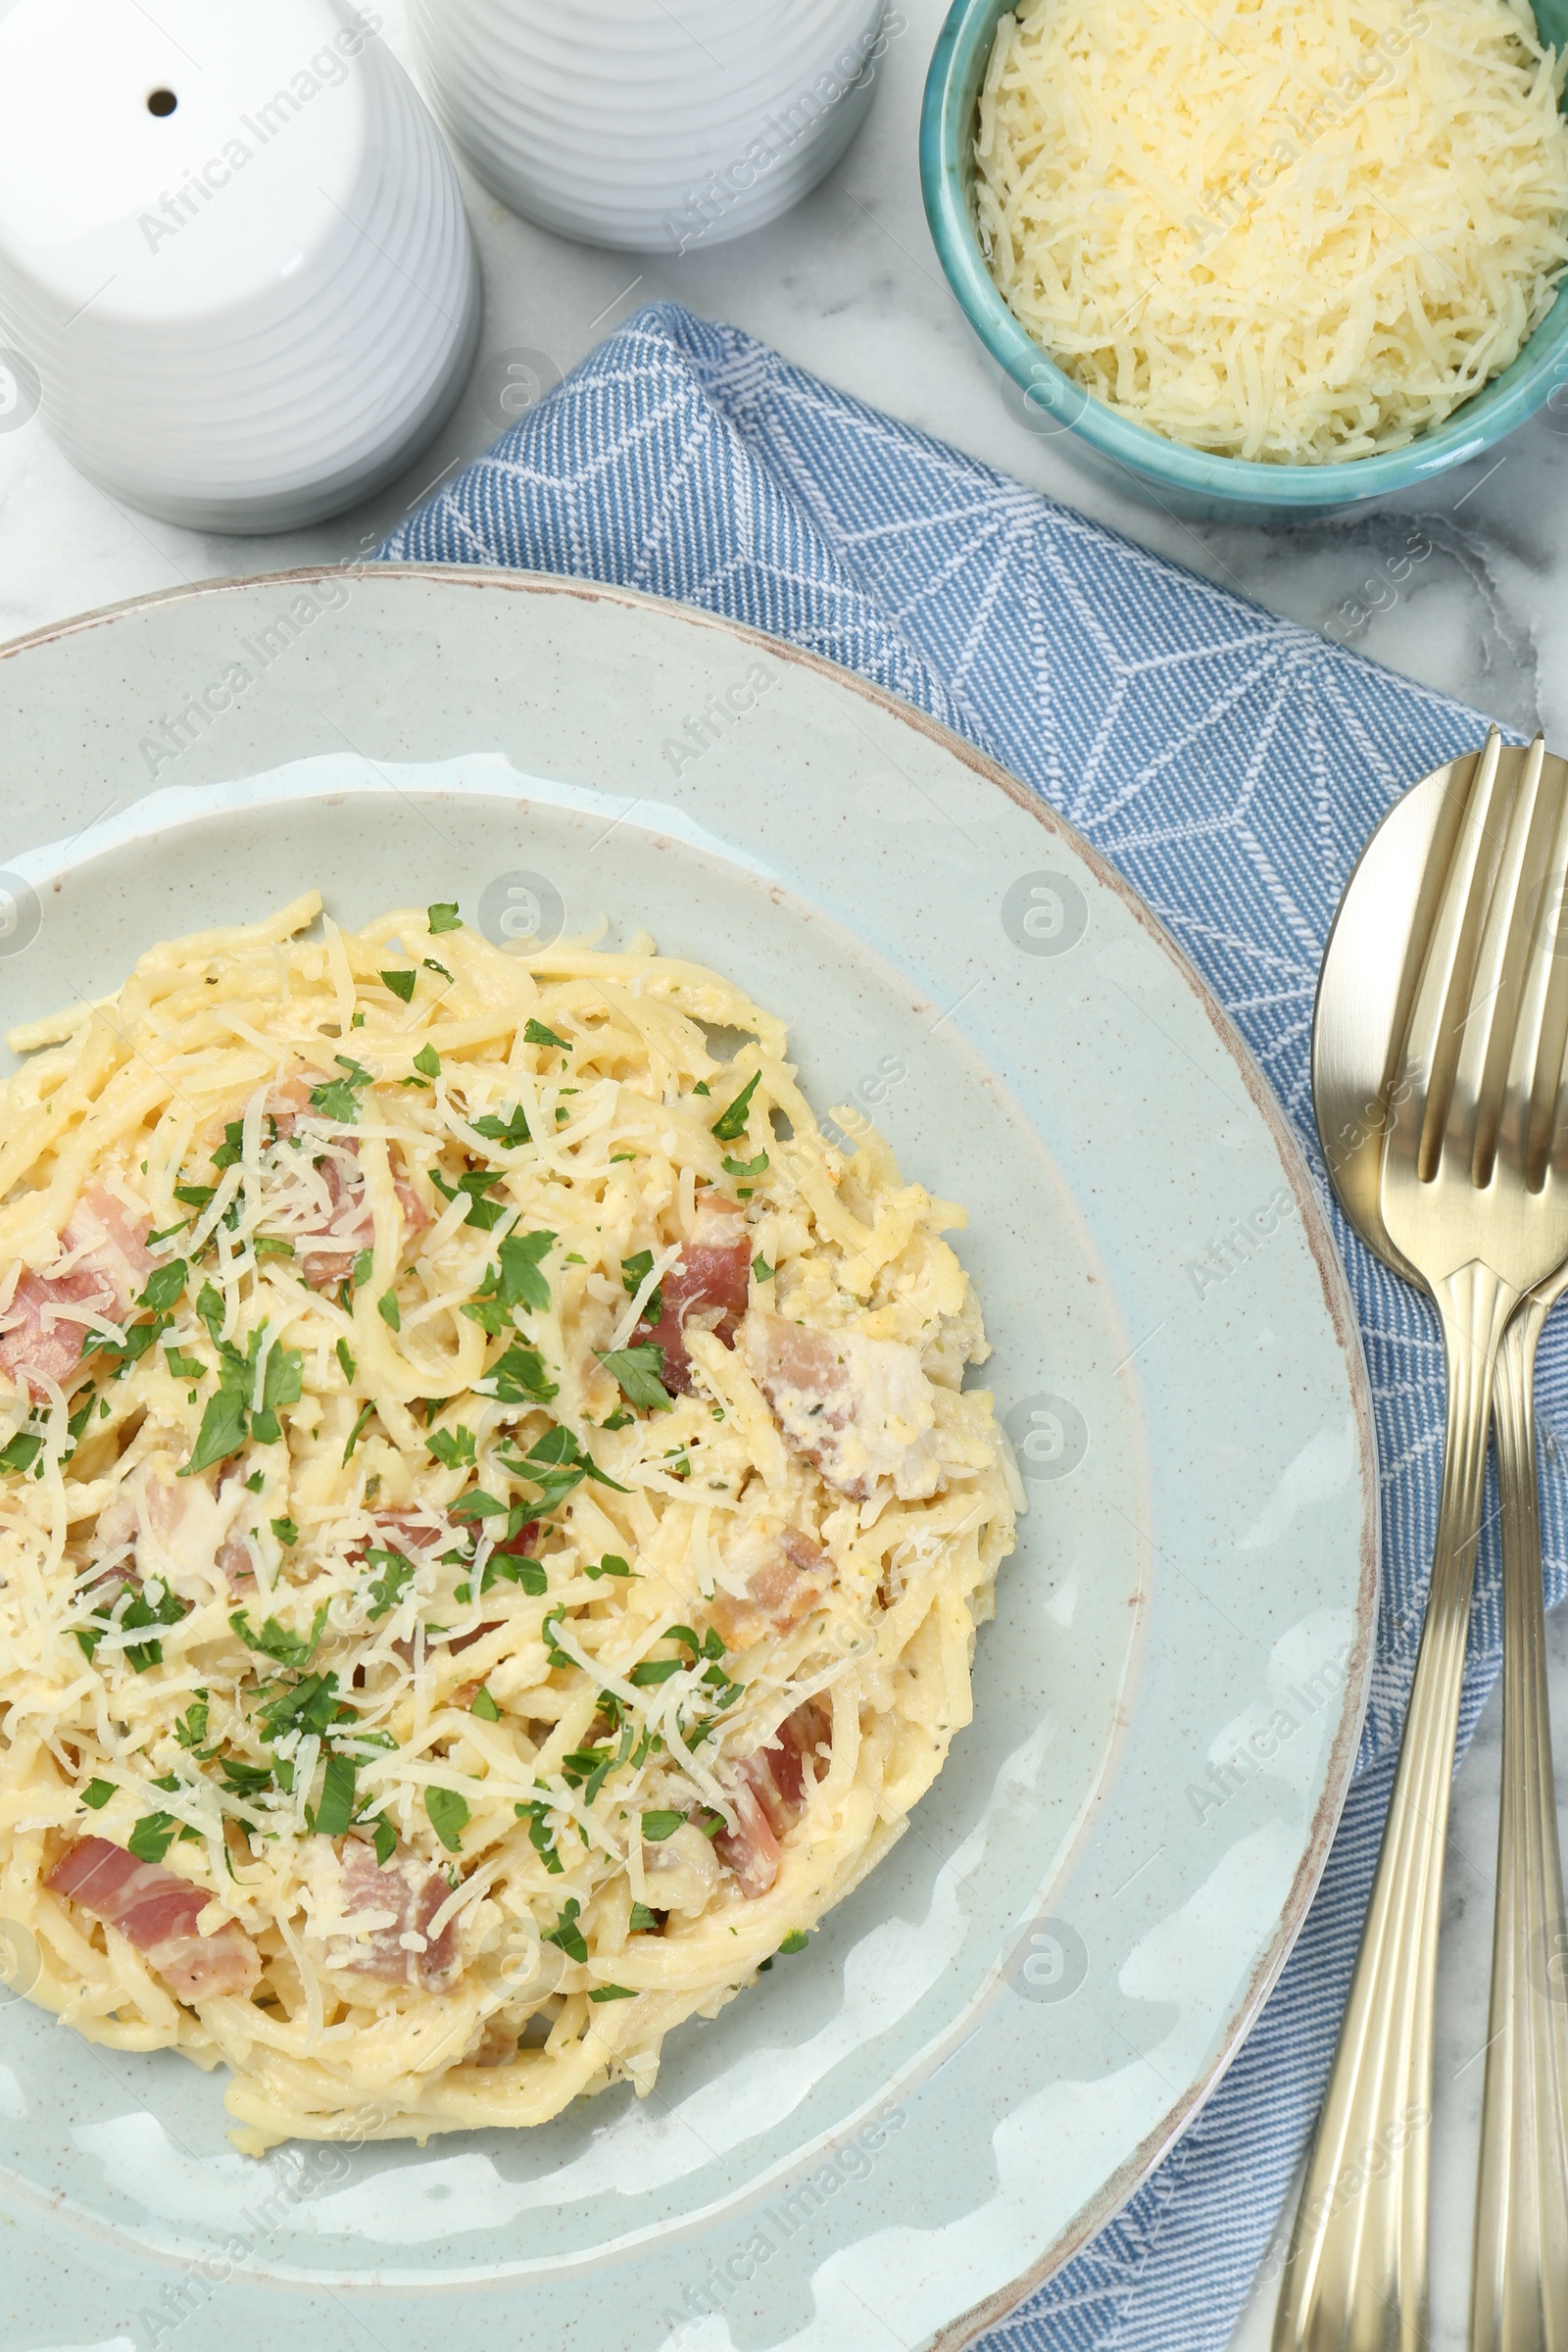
(626, 122)
(233, 247)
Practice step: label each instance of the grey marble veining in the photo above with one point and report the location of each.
(1459, 586)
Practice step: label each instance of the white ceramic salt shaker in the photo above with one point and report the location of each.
(627, 122)
(233, 247)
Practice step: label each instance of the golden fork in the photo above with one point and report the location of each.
(1472, 1198)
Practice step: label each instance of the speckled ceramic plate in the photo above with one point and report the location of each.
(901, 2128)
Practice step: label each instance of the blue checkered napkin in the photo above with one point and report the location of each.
(1231, 766)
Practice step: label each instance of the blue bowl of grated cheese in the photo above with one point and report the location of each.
(1112, 443)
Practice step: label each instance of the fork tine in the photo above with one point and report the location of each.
(1534, 1053)
(1504, 962)
(1430, 1048)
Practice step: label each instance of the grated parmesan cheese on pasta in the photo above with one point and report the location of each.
(1294, 233)
(491, 1534)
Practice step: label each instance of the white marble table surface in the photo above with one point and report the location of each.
(849, 285)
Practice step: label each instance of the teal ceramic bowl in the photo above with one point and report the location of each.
(1184, 481)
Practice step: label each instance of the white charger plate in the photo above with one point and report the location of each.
(898, 2132)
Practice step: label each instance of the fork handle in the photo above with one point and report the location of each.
(1519, 2293)
(1355, 2278)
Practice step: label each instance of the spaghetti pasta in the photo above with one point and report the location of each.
(491, 1531)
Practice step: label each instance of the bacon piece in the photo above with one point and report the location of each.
(156, 1912)
(519, 1546)
(861, 1409)
(771, 1791)
(326, 1252)
(786, 1575)
(497, 2048)
(401, 1531)
(41, 1331)
(708, 1286)
(456, 1644)
(235, 1559)
(368, 1910)
(750, 1849)
(342, 1226)
(158, 1523)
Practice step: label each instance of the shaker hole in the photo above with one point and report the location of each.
(162, 101)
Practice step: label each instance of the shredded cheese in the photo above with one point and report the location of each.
(412, 1561)
(1271, 228)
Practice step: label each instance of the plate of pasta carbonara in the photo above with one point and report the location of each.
(687, 1506)
(491, 1533)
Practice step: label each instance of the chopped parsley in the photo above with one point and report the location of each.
(558, 1466)
(540, 1837)
(511, 1134)
(400, 984)
(22, 1452)
(610, 1565)
(643, 1921)
(548, 1629)
(165, 1286)
(387, 1589)
(345, 1356)
(386, 1840)
(656, 1670)
(427, 1061)
(536, 1033)
(519, 1377)
(285, 1531)
(310, 1706)
(795, 1941)
(294, 1651)
(97, 1795)
(634, 1272)
(486, 1214)
(730, 1125)
(449, 1815)
(338, 1098)
(387, 1308)
(611, 1993)
(153, 1836)
(357, 1431)
(762, 1269)
(138, 1613)
(516, 1569)
(480, 1505)
(191, 1728)
(444, 917)
(657, 1826)
(484, 1706)
(513, 1281)
(229, 1416)
(336, 1808)
(566, 1935)
(639, 1373)
(452, 1447)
